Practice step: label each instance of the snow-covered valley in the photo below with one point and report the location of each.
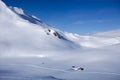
(33, 50)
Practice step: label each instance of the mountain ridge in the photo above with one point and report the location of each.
(25, 33)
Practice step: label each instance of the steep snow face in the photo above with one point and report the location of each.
(32, 19)
(6, 15)
(19, 36)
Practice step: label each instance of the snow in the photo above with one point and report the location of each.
(17, 10)
(30, 50)
(21, 36)
(113, 33)
(93, 41)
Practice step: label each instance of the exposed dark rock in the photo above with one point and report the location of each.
(49, 30)
(57, 34)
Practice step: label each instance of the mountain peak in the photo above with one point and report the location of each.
(23, 33)
(17, 10)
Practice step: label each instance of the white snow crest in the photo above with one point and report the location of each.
(17, 10)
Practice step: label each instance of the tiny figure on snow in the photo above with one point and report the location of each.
(80, 68)
(77, 68)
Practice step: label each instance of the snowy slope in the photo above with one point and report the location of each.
(33, 19)
(113, 33)
(19, 34)
(28, 32)
(25, 35)
(32, 50)
(93, 41)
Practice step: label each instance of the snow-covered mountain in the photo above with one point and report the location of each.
(25, 33)
(32, 50)
(21, 31)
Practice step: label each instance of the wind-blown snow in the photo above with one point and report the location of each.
(32, 50)
(18, 10)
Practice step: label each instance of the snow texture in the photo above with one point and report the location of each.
(32, 50)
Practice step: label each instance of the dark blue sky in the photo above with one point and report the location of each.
(76, 16)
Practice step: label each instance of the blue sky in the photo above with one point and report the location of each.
(76, 16)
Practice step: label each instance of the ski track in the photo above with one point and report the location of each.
(61, 70)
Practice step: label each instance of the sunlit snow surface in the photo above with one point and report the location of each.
(29, 50)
